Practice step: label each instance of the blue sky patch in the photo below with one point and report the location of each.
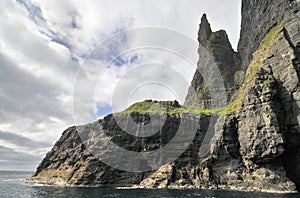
(103, 110)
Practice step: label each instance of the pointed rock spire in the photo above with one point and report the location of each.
(204, 30)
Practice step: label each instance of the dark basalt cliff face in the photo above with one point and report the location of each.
(256, 141)
(259, 17)
(71, 163)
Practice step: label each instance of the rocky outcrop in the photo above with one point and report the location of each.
(264, 109)
(255, 142)
(71, 163)
(219, 48)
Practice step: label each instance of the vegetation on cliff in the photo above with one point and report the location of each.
(160, 107)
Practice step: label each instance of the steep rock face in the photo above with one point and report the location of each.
(265, 110)
(71, 163)
(267, 114)
(218, 46)
(260, 134)
(270, 111)
(258, 17)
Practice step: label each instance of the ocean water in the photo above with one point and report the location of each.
(12, 184)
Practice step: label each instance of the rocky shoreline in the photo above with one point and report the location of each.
(63, 184)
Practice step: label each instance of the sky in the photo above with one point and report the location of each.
(64, 63)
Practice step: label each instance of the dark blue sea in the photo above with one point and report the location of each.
(12, 184)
